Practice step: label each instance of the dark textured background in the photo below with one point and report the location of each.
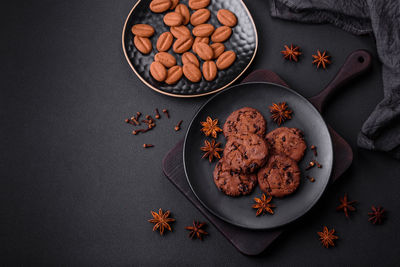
(77, 188)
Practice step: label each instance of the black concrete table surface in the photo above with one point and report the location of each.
(77, 187)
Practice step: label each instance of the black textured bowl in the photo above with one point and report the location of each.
(243, 42)
(238, 211)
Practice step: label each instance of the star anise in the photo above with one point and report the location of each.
(280, 112)
(161, 221)
(291, 53)
(321, 59)
(346, 205)
(212, 150)
(210, 127)
(196, 231)
(327, 237)
(263, 205)
(377, 215)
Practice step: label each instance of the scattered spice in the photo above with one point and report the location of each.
(147, 145)
(327, 237)
(291, 53)
(314, 149)
(346, 205)
(157, 116)
(280, 112)
(311, 164)
(377, 215)
(178, 126)
(321, 59)
(210, 127)
(149, 121)
(212, 150)
(263, 205)
(134, 120)
(196, 231)
(161, 221)
(165, 111)
(312, 180)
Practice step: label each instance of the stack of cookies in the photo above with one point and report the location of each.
(251, 156)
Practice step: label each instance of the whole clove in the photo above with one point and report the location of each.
(311, 179)
(314, 149)
(135, 132)
(178, 126)
(147, 145)
(317, 163)
(157, 114)
(130, 122)
(311, 164)
(165, 111)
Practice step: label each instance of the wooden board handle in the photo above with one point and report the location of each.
(356, 64)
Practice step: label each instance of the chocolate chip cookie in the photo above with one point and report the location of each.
(288, 141)
(245, 120)
(280, 176)
(245, 153)
(232, 183)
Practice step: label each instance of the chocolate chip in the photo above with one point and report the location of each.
(253, 165)
(243, 188)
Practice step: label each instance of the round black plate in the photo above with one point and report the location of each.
(243, 41)
(238, 211)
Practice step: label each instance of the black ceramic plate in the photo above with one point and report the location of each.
(238, 210)
(243, 41)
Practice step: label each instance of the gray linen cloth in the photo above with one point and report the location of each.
(381, 18)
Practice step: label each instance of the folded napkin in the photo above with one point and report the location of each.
(381, 18)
